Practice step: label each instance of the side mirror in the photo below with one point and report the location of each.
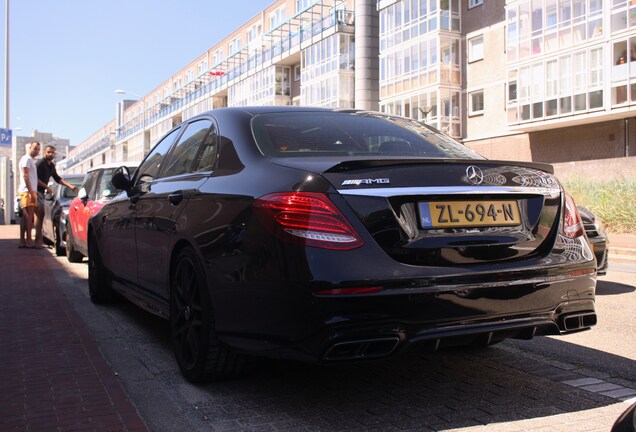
(121, 179)
(82, 194)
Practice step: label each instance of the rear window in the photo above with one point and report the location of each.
(314, 134)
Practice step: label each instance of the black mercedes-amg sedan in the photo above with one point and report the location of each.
(337, 235)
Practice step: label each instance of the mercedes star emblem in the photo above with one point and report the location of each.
(474, 175)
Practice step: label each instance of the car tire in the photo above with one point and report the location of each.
(99, 283)
(201, 356)
(71, 254)
(59, 250)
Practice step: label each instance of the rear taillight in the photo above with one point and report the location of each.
(306, 218)
(572, 223)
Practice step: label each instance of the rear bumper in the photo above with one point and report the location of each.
(358, 327)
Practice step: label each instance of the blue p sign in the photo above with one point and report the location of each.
(5, 136)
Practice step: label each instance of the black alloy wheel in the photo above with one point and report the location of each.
(201, 356)
(71, 254)
(99, 284)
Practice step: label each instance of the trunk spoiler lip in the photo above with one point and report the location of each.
(552, 192)
(329, 165)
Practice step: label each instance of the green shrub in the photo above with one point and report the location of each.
(613, 202)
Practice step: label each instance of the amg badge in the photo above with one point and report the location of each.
(366, 181)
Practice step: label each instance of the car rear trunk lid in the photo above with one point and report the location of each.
(443, 212)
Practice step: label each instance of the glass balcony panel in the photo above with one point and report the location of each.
(551, 107)
(551, 42)
(619, 95)
(595, 28)
(512, 52)
(565, 37)
(619, 21)
(579, 33)
(596, 99)
(580, 102)
(525, 112)
(565, 105)
(619, 72)
(513, 114)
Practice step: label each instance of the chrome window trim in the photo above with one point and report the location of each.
(452, 190)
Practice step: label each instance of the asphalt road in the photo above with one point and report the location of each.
(578, 382)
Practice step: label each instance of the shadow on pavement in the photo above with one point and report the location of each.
(612, 288)
(449, 389)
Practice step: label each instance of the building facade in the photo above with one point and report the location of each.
(542, 80)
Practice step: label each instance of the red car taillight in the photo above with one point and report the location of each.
(306, 218)
(572, 224)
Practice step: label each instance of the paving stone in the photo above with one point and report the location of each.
(582, 382)
(597, 388)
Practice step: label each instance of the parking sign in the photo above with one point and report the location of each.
(5, 136)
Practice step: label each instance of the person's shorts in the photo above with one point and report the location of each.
(28, 199)
(40, 199)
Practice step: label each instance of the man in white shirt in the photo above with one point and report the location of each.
(28, 192)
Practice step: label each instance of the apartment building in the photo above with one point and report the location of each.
(543, 80)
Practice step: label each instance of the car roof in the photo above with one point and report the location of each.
(71, 176)
(114, 165)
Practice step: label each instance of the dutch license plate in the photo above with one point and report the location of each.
(449, 214)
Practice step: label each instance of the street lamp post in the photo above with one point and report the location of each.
(6, 69)
(143, 116)
(8, 201)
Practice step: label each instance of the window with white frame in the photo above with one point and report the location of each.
(302, 4)
(235, 45)
(254, 32)
(277, 17)
(202, 66)
(217, 57)
(473, 3)
(476, 48)
(476, 102)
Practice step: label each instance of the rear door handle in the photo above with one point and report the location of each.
(175, 198)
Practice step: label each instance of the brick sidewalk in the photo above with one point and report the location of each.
(52, 375)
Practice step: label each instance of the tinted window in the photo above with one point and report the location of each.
(149, 168)
(206, 158)
(311, 134)
(180, 160)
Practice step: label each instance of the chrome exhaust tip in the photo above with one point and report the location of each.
(578, 321)
(362, 349)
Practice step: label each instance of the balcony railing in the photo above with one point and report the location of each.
(284, 38)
